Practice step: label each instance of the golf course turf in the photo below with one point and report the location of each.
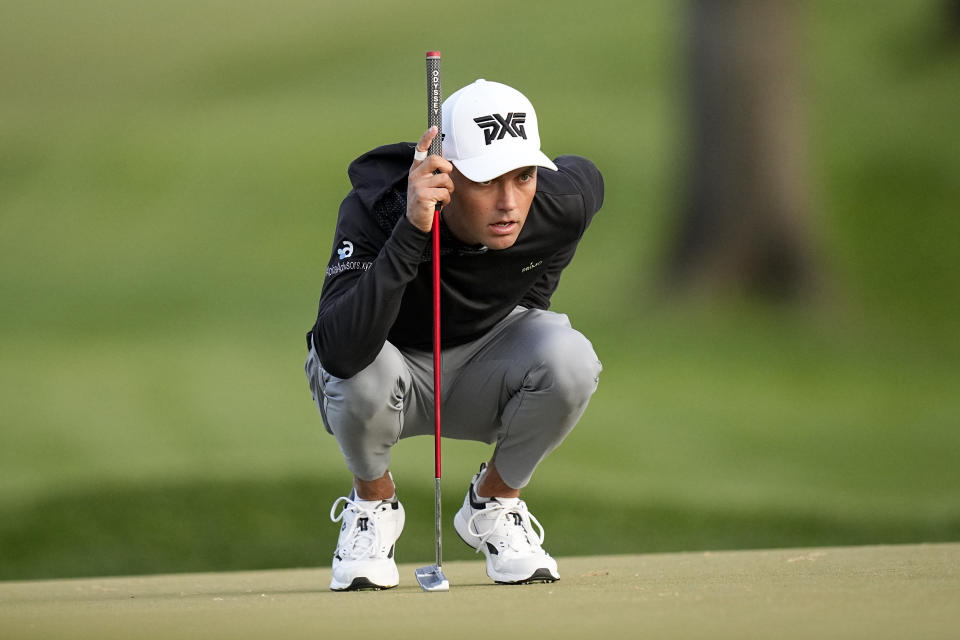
(906, 591)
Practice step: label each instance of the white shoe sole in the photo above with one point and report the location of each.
(387, 579)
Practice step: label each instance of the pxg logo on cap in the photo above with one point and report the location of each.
(491, 129)
(495, 126)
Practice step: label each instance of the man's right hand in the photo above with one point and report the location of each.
(428, 184)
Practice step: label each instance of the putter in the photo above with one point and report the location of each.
(431, 577)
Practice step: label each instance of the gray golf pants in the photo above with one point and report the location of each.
(523, 385)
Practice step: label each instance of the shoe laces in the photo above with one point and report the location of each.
(360, 541)
(509, 521)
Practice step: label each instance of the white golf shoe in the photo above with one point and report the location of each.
(503, 529)
(368, 536)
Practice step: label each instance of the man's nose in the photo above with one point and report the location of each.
(507, 197)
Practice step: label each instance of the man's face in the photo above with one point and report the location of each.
(491, 213)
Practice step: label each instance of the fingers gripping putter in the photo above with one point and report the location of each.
(431, 577)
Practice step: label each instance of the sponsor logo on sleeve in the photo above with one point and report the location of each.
(346, 251)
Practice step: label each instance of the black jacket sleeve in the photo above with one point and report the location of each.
(365, 282)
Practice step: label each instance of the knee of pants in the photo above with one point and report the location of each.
(355, 403)
(567, 366)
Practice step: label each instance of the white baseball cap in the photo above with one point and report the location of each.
(490, 129)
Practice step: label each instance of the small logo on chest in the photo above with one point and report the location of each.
(532, 265)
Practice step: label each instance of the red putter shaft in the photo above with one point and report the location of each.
(436, 341)
(435, 119)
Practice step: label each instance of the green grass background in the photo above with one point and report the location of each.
(169, 177)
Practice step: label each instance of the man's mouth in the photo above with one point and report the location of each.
(503, 227)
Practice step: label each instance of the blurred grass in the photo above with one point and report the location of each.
(169, 177)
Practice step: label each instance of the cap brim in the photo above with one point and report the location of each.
(490, 166)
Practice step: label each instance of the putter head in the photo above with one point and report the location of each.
(432, 579)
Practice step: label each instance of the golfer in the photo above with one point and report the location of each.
(515, 375)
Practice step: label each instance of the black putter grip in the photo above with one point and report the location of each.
(434, 102)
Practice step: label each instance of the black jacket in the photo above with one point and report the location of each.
(378, 281)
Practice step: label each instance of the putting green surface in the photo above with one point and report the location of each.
(909, 591)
